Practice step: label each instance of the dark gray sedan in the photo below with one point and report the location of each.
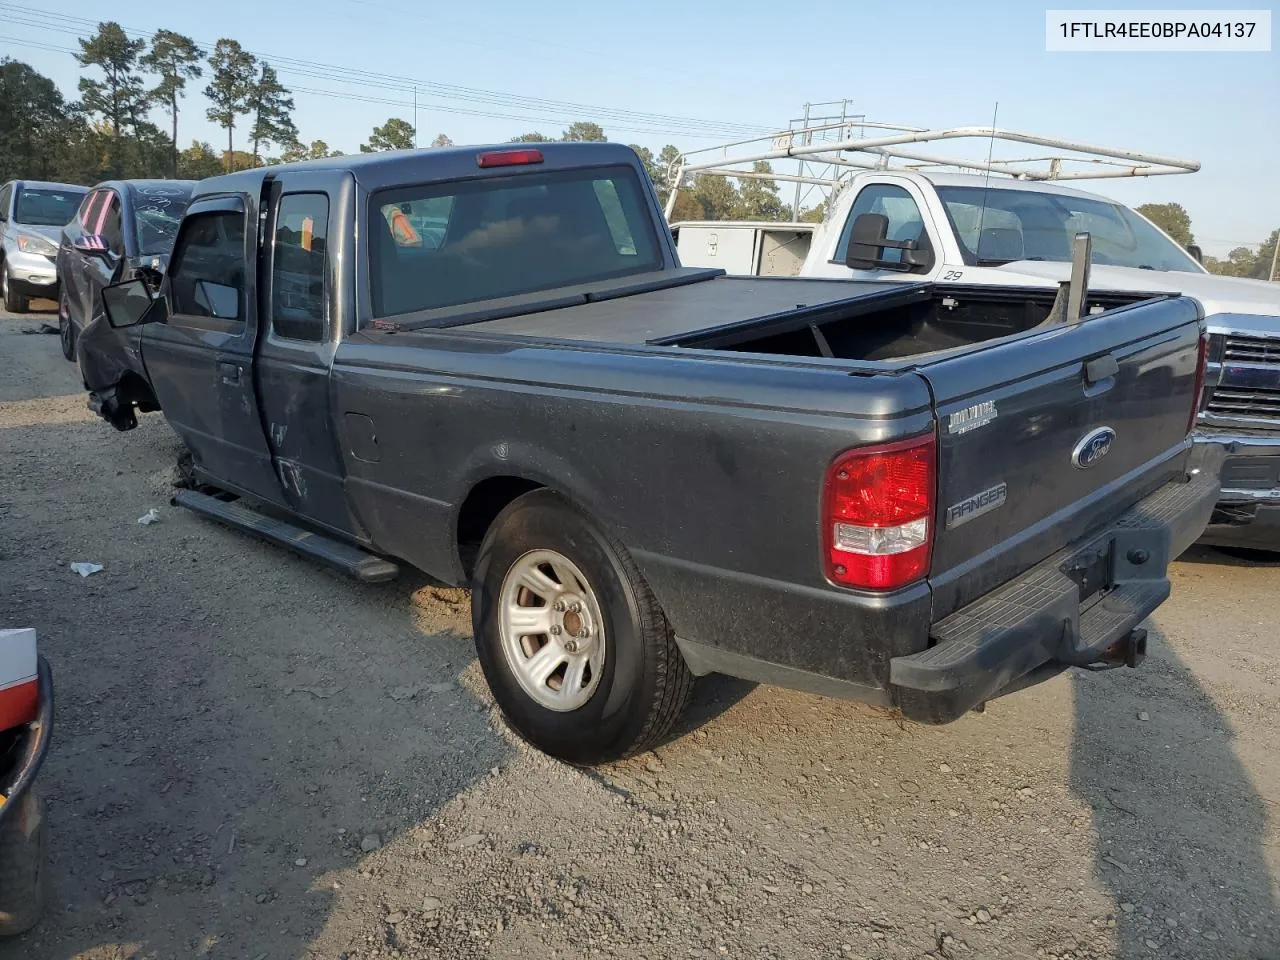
(122, 226)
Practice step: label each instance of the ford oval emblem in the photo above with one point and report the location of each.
(1093, 446)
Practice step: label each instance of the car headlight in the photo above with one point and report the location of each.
(30, 243)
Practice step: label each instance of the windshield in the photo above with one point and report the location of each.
(442, 245)
(157, 211)
(43, 207)
(1028, 225)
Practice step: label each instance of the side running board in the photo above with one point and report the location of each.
(352, 561)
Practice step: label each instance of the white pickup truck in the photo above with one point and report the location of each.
(974, 230)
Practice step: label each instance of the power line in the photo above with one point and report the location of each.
(669, 123)
(343, 95)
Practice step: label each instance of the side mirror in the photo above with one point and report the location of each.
(92, 244)
(868, 241)
(131, 304)
(1195, 251)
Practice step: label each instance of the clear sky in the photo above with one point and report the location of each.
(696, 74)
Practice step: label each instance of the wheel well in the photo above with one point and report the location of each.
(133, 389)
(486, 500)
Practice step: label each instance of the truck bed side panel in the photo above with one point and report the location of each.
(709, 471)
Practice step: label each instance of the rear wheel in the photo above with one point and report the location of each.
(14, 302)
(573, 644)
(66, 330)
(23, 849)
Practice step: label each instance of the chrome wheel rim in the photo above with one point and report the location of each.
(552, 630)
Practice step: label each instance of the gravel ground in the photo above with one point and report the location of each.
(257, 759)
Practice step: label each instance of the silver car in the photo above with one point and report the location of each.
(32, 215)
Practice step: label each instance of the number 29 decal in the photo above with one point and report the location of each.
(952, 274)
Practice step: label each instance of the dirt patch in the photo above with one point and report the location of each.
(255, 758)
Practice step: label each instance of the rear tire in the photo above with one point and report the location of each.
(14, 302)
(631, 693)
(66, 329)
(24, 841)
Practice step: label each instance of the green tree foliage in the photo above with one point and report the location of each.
(316, 150)
(175, 59)
(120, 97)
(687, 207)
(758, 199)
(718, 197)
(35, 124)
(271, 107)
(198, 161)
(230, 86)
(650, 166)
(441, 140)
(584, 130)
(1172, 218)
(813, 214)
(1244, 262)
(534, 137)
(395, 134)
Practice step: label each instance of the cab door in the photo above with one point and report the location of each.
(906, 218)
(200, 361)
(307, 269)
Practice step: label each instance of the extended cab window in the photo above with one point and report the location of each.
(208, 274)
(443, 245)
(298, 266)
(905, 222)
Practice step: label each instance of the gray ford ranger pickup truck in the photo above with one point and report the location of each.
(488, 363)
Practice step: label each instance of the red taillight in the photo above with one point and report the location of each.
(508, 158)
(1197, 396)
(877, 514)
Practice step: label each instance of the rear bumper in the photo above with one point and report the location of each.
(1037, 620)
(1248, 509)
(34, 746)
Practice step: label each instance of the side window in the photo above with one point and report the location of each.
(1001, 231)
(207, 278)
(905, 222)
(112, 231)
(84, 216)
(298, 266)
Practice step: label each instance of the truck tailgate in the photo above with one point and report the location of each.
(1045, 437)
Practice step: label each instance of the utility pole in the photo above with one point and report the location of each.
(1275, 256)
(415, 116)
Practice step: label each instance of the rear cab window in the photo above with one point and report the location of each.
(298, 267)
(449, 244)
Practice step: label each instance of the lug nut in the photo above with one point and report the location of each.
(575, 607)
(558, 606)
(571, 646)
(584, 633)
(555, 629)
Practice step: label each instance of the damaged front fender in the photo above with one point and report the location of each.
(114, 374)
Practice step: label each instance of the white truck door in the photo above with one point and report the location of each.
(909, 218)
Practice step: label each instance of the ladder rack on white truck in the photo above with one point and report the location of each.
(845, 147)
